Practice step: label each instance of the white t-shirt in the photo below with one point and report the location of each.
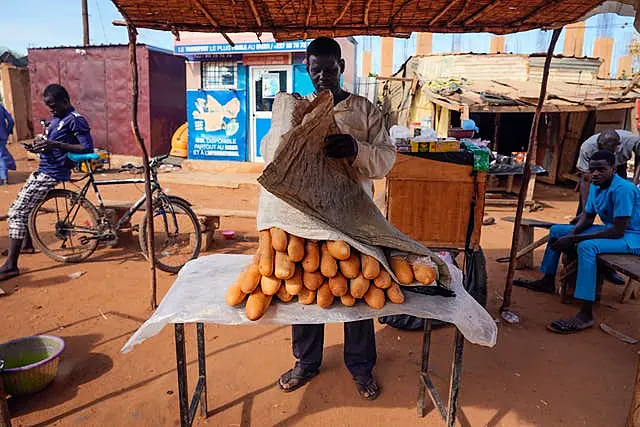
(629, 144)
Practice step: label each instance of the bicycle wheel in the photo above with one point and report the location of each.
(64, 226)
(176, 234)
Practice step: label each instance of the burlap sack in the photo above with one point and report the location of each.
(327, 189)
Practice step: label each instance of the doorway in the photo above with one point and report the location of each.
(265, 83)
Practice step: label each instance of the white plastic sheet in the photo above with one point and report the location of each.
(198, 295)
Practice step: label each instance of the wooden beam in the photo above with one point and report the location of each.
(254, 10)
(443, 12)
(478, 13)
(308, 18)
(534, 12)
(366, 13)
(460, 13)
(342, 12)
(397, 12)
(212, 20)
(526, 174)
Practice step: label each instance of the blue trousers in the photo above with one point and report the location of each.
(587, 253)
(6, 160)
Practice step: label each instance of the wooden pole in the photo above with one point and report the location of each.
(526, 174)
(133, 34)
(85, 23)
(5, 419)
(634, 411)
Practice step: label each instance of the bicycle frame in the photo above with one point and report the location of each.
(94, 183)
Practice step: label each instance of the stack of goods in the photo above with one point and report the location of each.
(320, 271)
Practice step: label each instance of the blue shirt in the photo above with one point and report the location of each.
(620, 199)
(72, 129)
(6, 123)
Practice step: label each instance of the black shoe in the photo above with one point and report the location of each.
(535, 285)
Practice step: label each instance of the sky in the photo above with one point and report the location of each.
(27, 23)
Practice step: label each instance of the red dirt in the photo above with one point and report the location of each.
(531, 377)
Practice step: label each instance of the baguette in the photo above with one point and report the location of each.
(338, 285)
(358, 286)
(312, 281)
(306, 296)
(278, 239)
(265, 250)
(383, 281)
(283, 294)
(234, 295)
(350, 268)
(270, 284)
(395, 294)
(257, 304)
(328, 264)
(370, 266)
(311, 260)
(295, 249)
(347, 300)
(249, 279)
(338, 249)
(294, 284)
(284, 268)
(424, 273)
(375, 297)
(324, 296)
(402, 269)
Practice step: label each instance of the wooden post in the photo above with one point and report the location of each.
(85, 23)
(133, 34)
(526, 175)
(5, 419)
(634, 412)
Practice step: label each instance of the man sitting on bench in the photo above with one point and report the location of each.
(617, 203)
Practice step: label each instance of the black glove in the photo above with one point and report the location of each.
(341, 146)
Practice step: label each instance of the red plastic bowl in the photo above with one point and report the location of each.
(228, 234)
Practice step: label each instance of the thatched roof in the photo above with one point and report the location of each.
(302, 19)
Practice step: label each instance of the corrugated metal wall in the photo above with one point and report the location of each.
(99, 84)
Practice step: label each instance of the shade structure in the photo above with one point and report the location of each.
(303, 19)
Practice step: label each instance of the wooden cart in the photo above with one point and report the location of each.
(441, 204)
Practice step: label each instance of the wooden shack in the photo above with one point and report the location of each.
(500, 91)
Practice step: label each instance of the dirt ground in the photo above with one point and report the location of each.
(531, 377)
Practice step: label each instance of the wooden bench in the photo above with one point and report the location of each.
(626, 264)
(209, 218)
(526, 245)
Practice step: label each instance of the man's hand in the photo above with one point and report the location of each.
(43, 145)
(341, 146)
(563, 244)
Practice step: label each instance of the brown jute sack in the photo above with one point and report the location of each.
(327, 189)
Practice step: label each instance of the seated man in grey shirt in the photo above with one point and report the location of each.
(623, 144)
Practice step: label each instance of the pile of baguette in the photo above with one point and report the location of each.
(289, 266)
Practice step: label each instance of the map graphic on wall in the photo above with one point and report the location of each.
(217, 124)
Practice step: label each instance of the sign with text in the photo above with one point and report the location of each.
(217, 123)
(250, 47)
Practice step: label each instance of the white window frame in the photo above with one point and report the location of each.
(235, 75)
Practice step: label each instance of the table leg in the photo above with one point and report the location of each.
(183, 396)
(424, 369)
(456, 372)
(202, 369)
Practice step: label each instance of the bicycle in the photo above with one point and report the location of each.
(67, 227)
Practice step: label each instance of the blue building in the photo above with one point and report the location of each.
(230, 90)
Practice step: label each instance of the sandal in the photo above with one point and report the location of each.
(10, 274)
(569, 326)
(533, 285)
(367, 387)
(296, 378)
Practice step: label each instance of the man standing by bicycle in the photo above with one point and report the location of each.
(67, 133)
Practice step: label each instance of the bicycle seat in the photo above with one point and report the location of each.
(83, 157)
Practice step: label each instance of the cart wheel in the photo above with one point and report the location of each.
(476, 276)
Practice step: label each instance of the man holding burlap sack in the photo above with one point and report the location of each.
(365, 143)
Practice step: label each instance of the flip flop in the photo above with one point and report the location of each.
(6, 275)
(363, 384)
(297, 374)
(564, 328)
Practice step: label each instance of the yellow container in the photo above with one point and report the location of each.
(179, 142)
(444, 146)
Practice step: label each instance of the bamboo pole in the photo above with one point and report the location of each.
(634, 411)
(133, 34)
(526, 174)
